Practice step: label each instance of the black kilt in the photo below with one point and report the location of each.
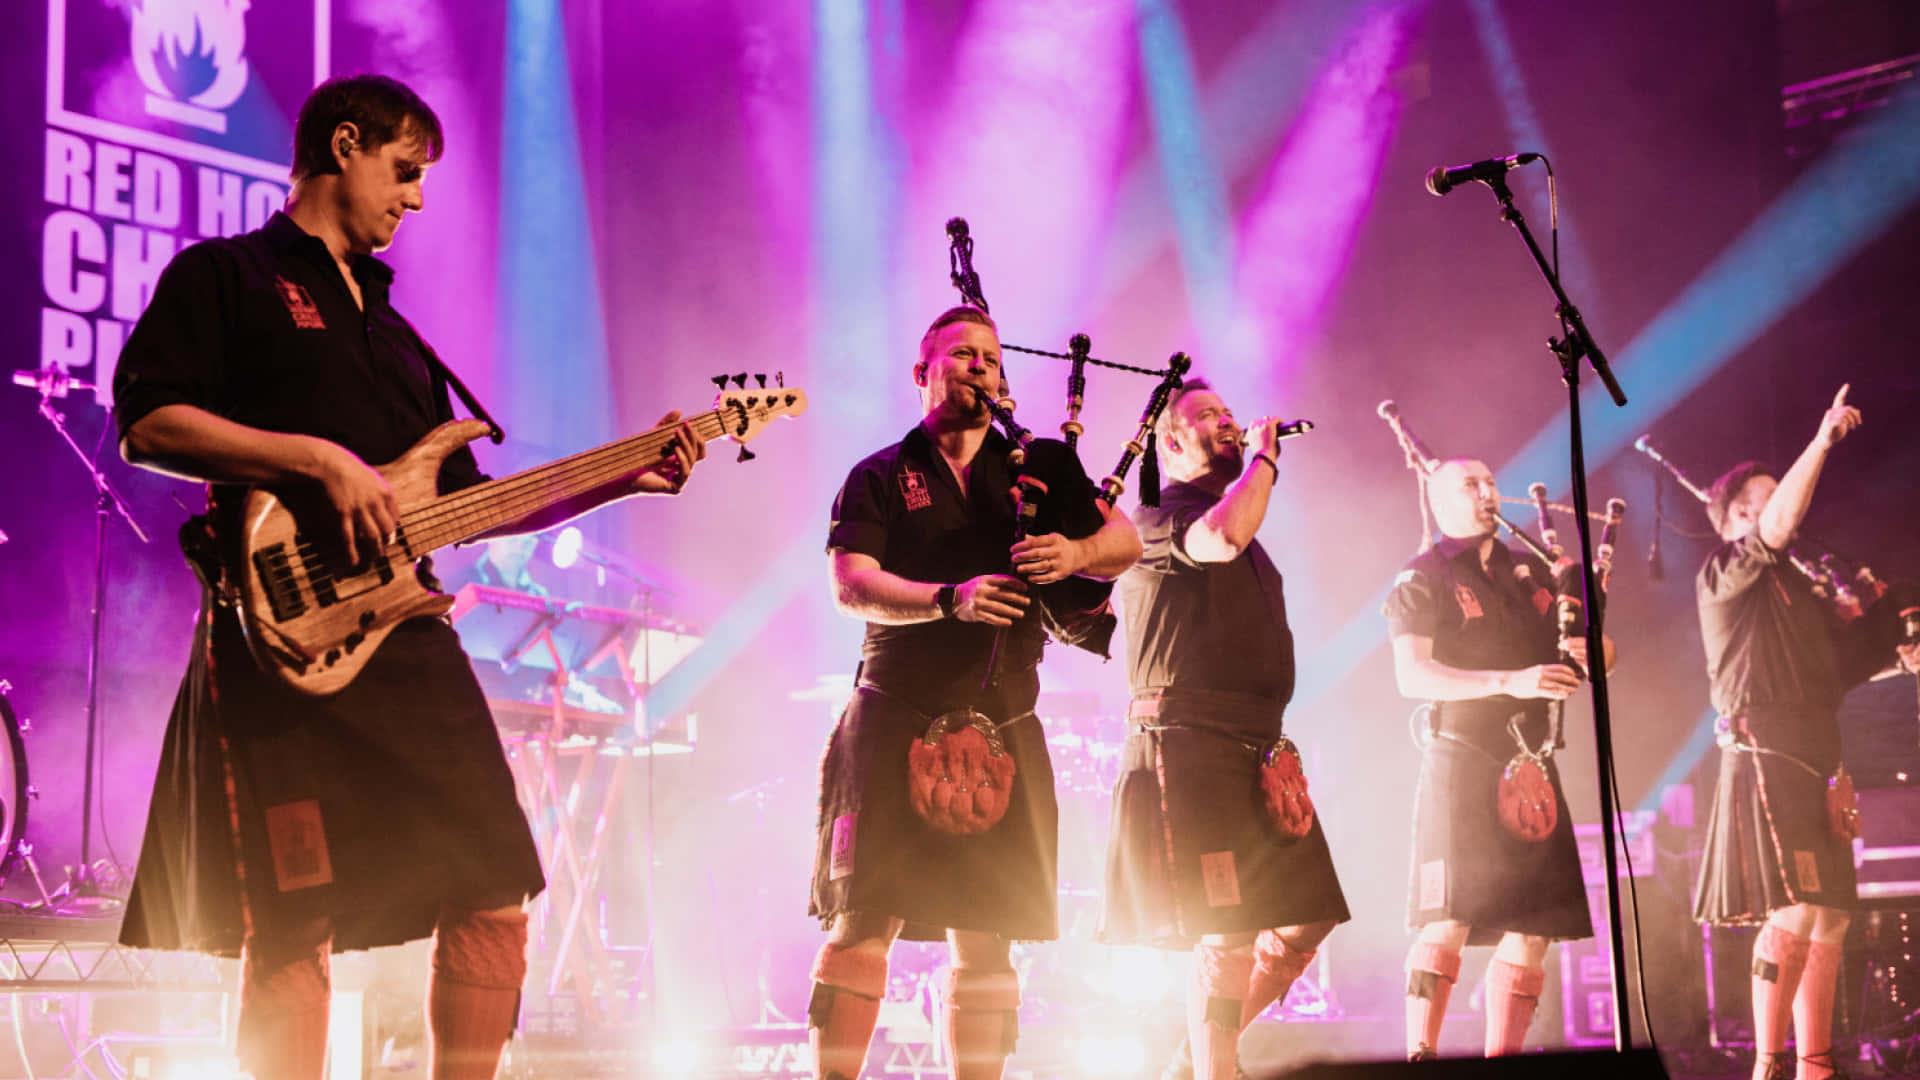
(1466, 866)
(402, 771)
(888, 861)
(1769, 844)
(1193, 850)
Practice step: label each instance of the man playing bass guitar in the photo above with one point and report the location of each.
(285, 827)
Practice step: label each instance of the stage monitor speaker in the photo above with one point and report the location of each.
(1560, 1065)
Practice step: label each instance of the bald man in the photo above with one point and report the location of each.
(1474, 632)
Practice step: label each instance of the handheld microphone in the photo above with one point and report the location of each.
(1442, 179)
(1282, 431)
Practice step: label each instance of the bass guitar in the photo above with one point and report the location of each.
(312, 620)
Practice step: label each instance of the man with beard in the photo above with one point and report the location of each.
(1474, 632)
(1197, 860)
(922, 549)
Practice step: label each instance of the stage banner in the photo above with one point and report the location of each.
(166, 122)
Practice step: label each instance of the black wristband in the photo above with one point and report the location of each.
(946, 598)
(1272, 464)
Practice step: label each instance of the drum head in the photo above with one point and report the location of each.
(13, 788)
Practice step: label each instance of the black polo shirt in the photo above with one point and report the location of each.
(1769, 639)
(903, 507)
(1495, 618)
(1203, 626)
(260, 329)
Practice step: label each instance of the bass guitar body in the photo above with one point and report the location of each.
(311, 618)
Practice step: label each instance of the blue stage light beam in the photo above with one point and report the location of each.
(1195, 189)
(855, 185)
(1525, 133)
(552, 331)
(1246, 107)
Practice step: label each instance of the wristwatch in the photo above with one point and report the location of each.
(946, 598)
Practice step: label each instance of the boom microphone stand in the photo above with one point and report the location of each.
(82, 894)
(1574, 344)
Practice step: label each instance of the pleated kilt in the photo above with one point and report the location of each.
(1466, 866)
(1769, 843)
(875, 856)
(367, 807)
(1193, 850)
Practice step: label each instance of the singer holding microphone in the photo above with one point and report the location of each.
(1779, 839)
(1475, 631)
(1215, 847)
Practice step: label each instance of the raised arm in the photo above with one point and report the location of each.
(1226, 529)
(1788, 507)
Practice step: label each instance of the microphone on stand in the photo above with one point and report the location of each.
(1443, 178)
(52, 381)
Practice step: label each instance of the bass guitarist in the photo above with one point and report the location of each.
(287, 827)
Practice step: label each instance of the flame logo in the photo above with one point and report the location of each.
(188, 53)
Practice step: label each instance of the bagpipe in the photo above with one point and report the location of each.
(1528, 808)
(1053, 491)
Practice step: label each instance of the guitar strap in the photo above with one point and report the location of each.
(444, 373)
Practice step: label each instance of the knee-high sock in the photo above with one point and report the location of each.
(1432, 970)
(284, 997)
(1275, 966)
(1813, 1012)
(1215, 1002)
(848, 985)
(473, 992)
(983, 1021)
(1779, 958)
(1513, 993)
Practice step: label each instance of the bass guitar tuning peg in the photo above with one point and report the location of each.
(746, 455)
(780, 379)
(720, 381)
(762, 378)
(740, 380)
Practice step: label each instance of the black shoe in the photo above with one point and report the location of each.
(1777, 1067)
(1423, 1052)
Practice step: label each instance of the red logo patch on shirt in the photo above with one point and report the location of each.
(913, 487)
(1469, 603)
(1542, 600)
(300, 305)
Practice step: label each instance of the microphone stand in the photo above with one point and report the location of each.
(81, 890)
(1575, 344)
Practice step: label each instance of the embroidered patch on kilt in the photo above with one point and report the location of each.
(1433, 885)
(840, 858)
(1222, 881)
(298, 842)
(913, 488)
(1806, 866)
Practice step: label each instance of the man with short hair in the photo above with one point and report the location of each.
(1197, 860)
(286, 827)
(1780, 661)
(1474, 632)
(922, 548)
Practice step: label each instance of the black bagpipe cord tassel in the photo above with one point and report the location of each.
(1150, 474)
